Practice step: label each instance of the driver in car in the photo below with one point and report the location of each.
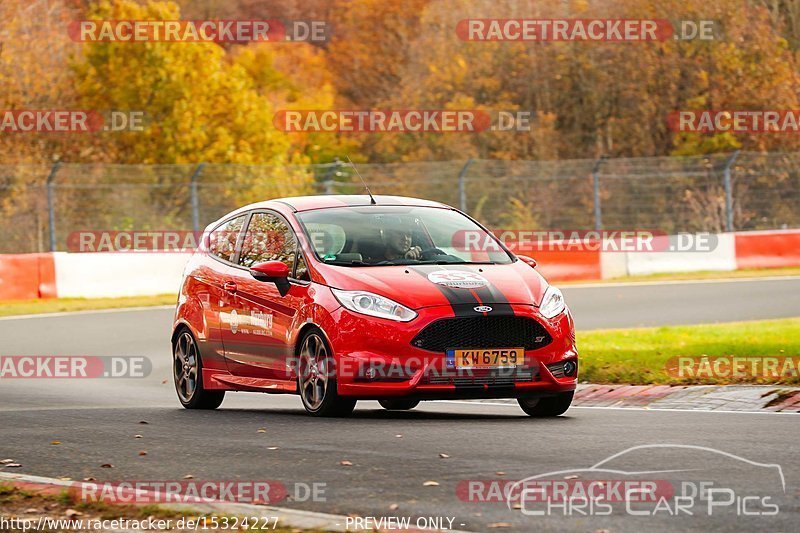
(397, 243)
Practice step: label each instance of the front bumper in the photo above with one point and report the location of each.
(375, 359)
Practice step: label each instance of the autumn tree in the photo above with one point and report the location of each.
(34, 74)
(198, 105)
(593, 98)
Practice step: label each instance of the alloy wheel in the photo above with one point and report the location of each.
(185, 364)
(314, 375)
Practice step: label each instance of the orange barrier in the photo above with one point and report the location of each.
(768, 249)
(47, 276)
(30, 276)
(566, 265)
(27, 276)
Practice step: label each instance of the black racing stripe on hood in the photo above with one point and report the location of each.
(462, 301)
(489, 295)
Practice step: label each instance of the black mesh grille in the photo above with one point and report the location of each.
(482, 332)
(486, 377)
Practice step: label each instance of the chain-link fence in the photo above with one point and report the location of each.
(40, 205)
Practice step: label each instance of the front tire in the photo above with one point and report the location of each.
(187, 373)
(398, 405)
(316, 379)
(547, 406)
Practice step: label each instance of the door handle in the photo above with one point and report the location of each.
(230, 286)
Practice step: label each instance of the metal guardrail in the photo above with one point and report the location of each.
(40, 205)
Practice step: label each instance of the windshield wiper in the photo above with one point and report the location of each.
(353, 262)
(441, 262)
(358, 263)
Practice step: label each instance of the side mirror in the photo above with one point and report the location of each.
(272, 271)
(530, 260)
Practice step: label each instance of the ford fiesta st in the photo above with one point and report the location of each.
(341, 298)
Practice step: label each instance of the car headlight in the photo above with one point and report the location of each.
(553, 303)
(370, 304)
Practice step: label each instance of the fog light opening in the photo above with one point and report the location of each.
(570, 367)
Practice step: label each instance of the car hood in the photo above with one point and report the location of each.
(417, 286)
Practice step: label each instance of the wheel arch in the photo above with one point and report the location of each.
(304, 329)
(191, 312)
(180, 326)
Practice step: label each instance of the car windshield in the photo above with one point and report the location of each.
(398, 235)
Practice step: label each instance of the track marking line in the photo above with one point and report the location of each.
(288, 517)
(600, 284)
(601, 407)
(87, 312)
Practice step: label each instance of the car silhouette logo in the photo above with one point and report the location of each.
(483, 309)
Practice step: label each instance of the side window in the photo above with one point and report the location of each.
(222, 241)
(268, 238)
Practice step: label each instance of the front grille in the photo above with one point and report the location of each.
(501, 376)
(482, 332)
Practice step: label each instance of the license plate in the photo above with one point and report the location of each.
(486, 358)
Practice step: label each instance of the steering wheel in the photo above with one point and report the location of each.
(431, 253)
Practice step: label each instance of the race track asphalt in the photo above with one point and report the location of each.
(96, 421)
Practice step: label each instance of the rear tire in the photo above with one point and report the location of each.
(316, 379)
(187, 373)
(399, 404)
(547, 406)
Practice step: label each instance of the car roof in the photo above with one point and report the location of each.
(307, 203)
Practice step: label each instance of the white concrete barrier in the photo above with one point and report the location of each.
(673, 259)
(109, 275)
(613, 264)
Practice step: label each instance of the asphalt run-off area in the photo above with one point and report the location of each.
(417, 463)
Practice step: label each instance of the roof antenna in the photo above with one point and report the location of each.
(371, 198)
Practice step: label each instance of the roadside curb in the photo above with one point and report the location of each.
(773, 398)
(295, 518)
(287, 517)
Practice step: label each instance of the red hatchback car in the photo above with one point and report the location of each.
(341, 298)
